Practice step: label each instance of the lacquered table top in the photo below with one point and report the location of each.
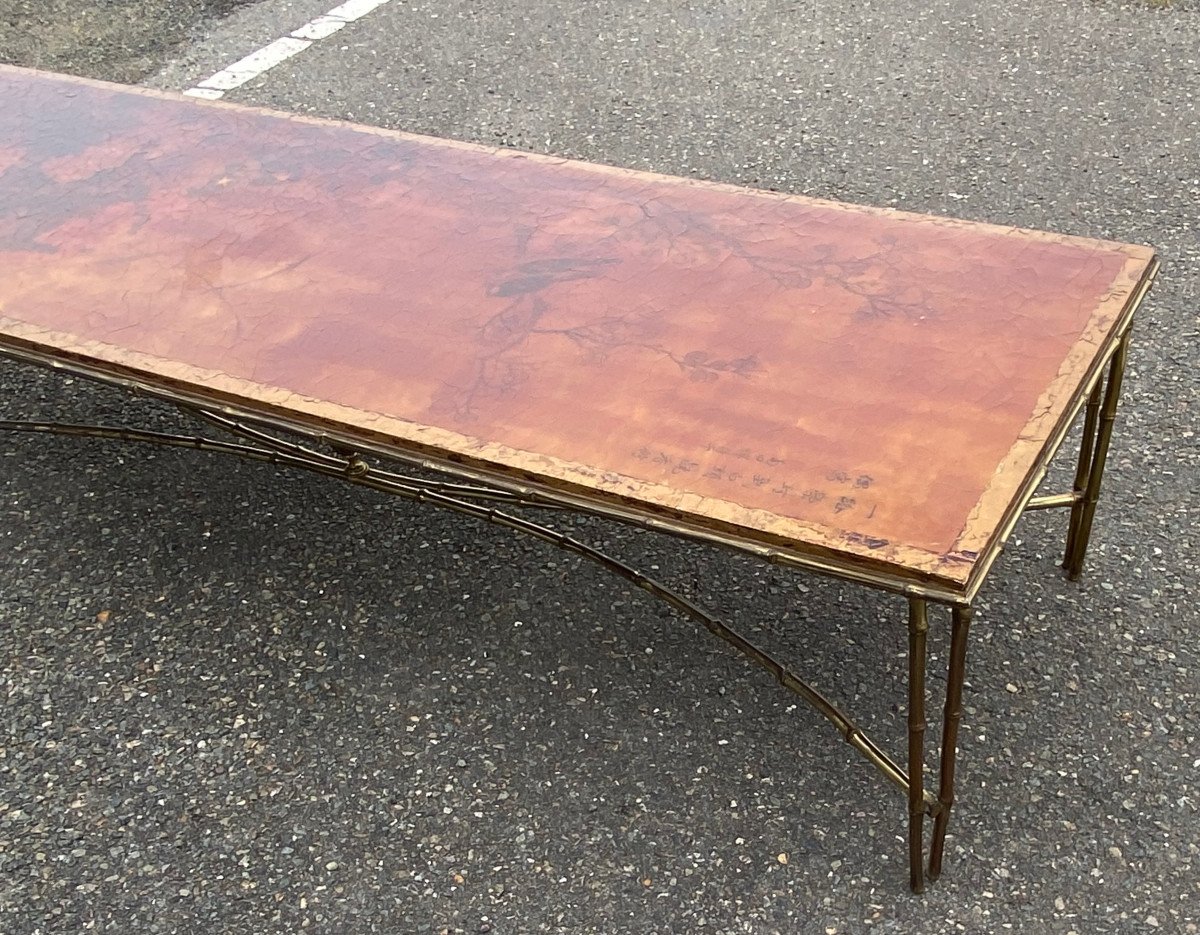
(859, 383)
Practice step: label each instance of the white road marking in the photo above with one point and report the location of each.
(254, 64)
(319, 28)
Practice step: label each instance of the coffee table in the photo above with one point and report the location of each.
(862, 393)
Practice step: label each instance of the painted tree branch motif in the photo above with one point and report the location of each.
(499, 372)
(876, 278)
(671, 232)
(496, 371)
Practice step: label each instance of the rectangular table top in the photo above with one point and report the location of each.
(868, 386)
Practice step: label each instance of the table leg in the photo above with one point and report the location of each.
(954, 686)
(918, 627)
(1092, 464)
(1086, 445)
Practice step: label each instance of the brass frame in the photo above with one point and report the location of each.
(471, 492)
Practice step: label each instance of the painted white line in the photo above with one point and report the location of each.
(353, 9)
(209, 94)
(319, 28)
(254, 64)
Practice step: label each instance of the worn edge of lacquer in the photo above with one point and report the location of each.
(641, 174)
(587, 482)
(1019, 472)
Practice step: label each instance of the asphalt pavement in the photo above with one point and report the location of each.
(244, 701)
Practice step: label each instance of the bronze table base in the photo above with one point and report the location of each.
(465, 492)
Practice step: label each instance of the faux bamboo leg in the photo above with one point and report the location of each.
(918, 626)
(1087, 445)
(1087, 508)
(954, 686)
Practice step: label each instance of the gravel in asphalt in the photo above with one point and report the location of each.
(120, 40)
